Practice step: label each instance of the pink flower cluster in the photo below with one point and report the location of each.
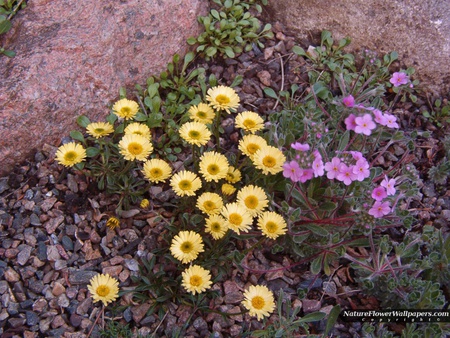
(306, 166)
(399, 78)
(386, 188)
(347, 170)
(365, 124)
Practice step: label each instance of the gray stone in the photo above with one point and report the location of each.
(32, 318)
(24, 254)
(81, 277)
(34, 220)
(418, 30)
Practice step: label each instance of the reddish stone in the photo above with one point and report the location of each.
(72, 58)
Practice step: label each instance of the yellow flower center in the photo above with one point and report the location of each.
(125, 111)
(99, 130)
(249, 124)
(70, 155)
(213, 169)
(185, 185)
(201, 114)
(102, 290)
(222, 99)
(186, 247)
(155, 172)
(271, 227)
(194, 134)
(209, 205)
(215, 227)
(235, 219)
(135, 148)
(251, 202)
(195, 280)
(253, 148)
(258, 302)
(269, 161)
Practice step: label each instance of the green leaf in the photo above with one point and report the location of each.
(211, 51)
(92, 152)
(83, 121)
(327, 206)
(154, 120)
(237, 81)
(229, 52)
(299, 51)
(332, 319)
(76, 135)
(191, 41)
(317, 229)
(215, 14)
(111, 118)
(9, 53)
(122, 92)
(344, 141)
(270, 93)
(5, 26)
(311, 317)
(141, 117)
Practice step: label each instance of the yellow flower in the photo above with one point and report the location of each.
(195, 133)
(210, 203)
(99, 129)
(135, 147)
(259, 301)
(186, 246)
(104, 288)
(196, 279)
(233, 175)
(156, 170)
(138, 129)
(223, 98)
(185, 183)
(125, 108)
(271, 224)
(144, 203)
(202, 113)
(253, 198)
(237, 217)
(249, 121)
(213, 166)
(250, 144)
(70, 154)
(113, 222)
(269, 159)
(216, 226)
(228, 189)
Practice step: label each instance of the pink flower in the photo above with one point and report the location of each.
(306, 175)
(299, 146)
(357, 155)
(379, 193)
(346, 174)
(318, 167)
(379, 117)
(332, 167)
(399, 79)
(292, 170)
(350, 122)
(361, 170)
(391, 121)
(389, 184)
(379, 209)
(364, 124)
(348, 101)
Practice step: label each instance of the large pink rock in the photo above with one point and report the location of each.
(72, 58)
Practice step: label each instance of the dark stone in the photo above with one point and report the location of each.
(41, 251)
(26, 304)
(67, 243)
(75, 319)
(32, 318)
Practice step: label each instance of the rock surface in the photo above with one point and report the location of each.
(72, 58)
(418, 30)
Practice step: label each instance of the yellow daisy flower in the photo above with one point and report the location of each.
(259, 301)
(223, 98)
(125, 108)
(216, 226)
(271, 224)
(70, 154)
(213, 166)
(233, 175)
(249, 121)
(269, 159)
(99, 129)
(113, 222)
(202, 113)
(138, 129)
(210, 203)
(237, 217)
(104, 288)
(250, 144)
(195, 133)
(156, 170)
(196, 279)
(185, 183)
(135, 147)
(253, 198)
(186, 246)
(228, 189)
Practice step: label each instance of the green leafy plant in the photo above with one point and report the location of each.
(8, 8)
(439, 113)
(230, 29)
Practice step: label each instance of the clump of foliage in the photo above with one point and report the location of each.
(8, 8)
